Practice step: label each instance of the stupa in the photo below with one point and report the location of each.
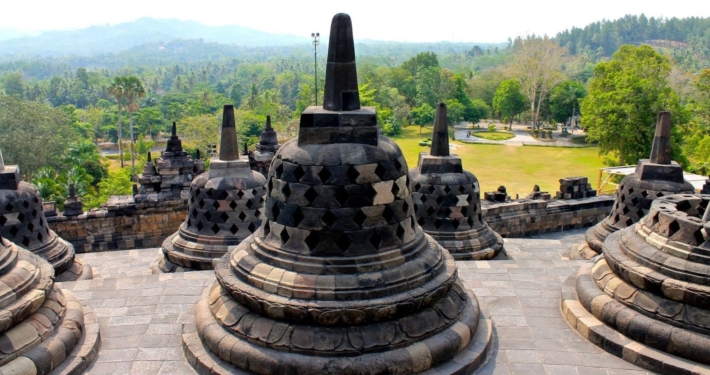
(655, 177)
(224, 208)
(73, 205)
(22, 221)
(330, 283)
(43, 328)
(447, 200)
(266, 148)
(646, 299)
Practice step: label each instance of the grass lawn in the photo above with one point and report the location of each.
(493, 136)
(518, 168)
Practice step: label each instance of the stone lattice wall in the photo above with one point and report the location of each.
(123, 224)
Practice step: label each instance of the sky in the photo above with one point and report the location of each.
(489, 21)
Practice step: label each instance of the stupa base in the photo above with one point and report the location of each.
(77, 271)
(416, 358)
(164, 265)
(475, 244)
(619, 343)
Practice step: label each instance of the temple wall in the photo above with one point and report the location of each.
(123, 224)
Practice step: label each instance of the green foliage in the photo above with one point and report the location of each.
(509, 100)
(423, 115)
(564, 99)
(118, 182)
(14, 85)
(625, 95)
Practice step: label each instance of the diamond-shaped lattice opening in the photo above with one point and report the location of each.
(352, 174)
(254, 192)
(644, 193)
(40, 237)
(388, 214)
(215, 205)
(208, 215)
(437, 223)
(324, 175)
(654, 219)
(25, 204)
(439, 199)
(311, 195)
(328, 219)
(299, 173)
(26, 241)
(286, 190)
(234, 229)
(462, 189)
(375, 240)
(342, 196)
(413, 224)
(242, 216)
(41, 222)
(202, 204)
(634, 201)
(284, 236)
(432, 189)
(421, 221)
(455, 223)
(447, 211)
(257, 214)
(223, 194)
(215, 228)
(298, 217)
(469, 198)
(210, 193)
(3, 220)
(470, 222)
(252, 227)
(381, 171)
(371, 193)
(625, 210)
(397, 164)
(405, 207)
(270, 186)
(200, 226)
(343, 242)
(30, 226)
(417, 186)
(21, 217)
(279, 170)
(34, 199)
(699, 238)
(660, 194)
(233, 205)
(9, 207)
(224, 217)
(275, 211)
(312, 240)
(240, 194)
(631, 190)
(189, 222)
(34, 213)
(629, 222)
(623, 198)
(400, 232)
(249, 204)
(447, 189)
(395, 189)
(430, 210)
(359, 218)
(267, 229)
(673, 228)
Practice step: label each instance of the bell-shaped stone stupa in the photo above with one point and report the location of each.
(340, 278)
(266, 148)
(655, 177)
(22, 221)
(224, 208)
(43, 328)
(448, 200)
(646, 299)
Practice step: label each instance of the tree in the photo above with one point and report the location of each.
(564, 100)
(118, 90)
(423, 115)
(508, 100)
(625, 95)
(34, 135)
(133, 90)
(537, 66)
(199, 131)
(14, 85)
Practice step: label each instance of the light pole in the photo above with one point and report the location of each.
(316, 37)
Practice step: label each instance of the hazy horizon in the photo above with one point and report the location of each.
(449, 20)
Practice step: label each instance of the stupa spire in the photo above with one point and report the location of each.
(228, 148)
(268, 122)
(341, 92)
(440, 138)
(174, 129)
(661, 148)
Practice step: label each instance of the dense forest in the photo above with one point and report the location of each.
(131, 97)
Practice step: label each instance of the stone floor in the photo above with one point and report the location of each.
(141, 315)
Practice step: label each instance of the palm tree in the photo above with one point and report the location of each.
(253, 100)
(117, 89)
(134, 90)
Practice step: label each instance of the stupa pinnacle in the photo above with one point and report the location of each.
(339, 277)
(440, 138)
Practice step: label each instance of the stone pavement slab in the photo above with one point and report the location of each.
(141, 314)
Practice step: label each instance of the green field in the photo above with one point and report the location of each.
(518, 168)
(493, 136)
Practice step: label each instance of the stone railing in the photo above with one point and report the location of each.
(124, 224)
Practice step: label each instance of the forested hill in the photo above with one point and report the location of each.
(103, 39)
(603, 38)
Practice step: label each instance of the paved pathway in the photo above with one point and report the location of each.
(522, 136)
(141, 314)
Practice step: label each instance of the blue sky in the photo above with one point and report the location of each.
(442, 20)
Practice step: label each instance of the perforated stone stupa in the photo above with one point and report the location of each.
(170, 176)
(266, 148)
(646, 298)
(22, 221)
(447, 200)
(655, 177)
(339, 278)
(43, 328)
(224, 208)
